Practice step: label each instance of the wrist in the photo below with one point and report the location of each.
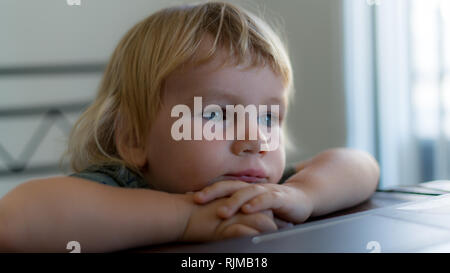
(185, 207)
(306, 193)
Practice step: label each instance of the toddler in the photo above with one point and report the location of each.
(135, 184)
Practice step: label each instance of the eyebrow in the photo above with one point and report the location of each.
(211, 95)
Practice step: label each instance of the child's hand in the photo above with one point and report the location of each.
(288, 203)
(204, 224)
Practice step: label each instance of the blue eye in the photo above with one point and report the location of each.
(268, 119)
(213, 115)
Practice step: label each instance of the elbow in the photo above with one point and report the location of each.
(372, 168)
(11, 224)
(6, 241)
(8, 224)
(369, 169)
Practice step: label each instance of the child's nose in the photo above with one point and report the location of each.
(250, 142)
(247, 147)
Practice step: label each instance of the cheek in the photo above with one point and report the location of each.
(202, 156)
(203, 161)
(277, 164)
(185, 165)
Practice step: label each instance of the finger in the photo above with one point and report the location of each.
(268, 212)
(282, 224)
(218, 190)
(259, 221)
(269, 200)
(237, 230)
(275, 202)
(234, 203)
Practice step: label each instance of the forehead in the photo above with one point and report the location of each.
(235, 83)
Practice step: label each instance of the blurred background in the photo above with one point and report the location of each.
(369, 74)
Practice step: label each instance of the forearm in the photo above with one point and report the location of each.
(336, 179)
(45, 215)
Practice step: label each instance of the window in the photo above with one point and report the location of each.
(429, 28)
(397, 63)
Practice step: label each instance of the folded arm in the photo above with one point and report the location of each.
(336, 179)
(44, 215)
(332, 180)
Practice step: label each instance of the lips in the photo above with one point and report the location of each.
(249, 175)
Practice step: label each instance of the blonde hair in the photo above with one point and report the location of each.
(130, 92)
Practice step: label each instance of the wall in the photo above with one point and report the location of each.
(52, 56)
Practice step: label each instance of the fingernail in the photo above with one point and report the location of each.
(247, 207)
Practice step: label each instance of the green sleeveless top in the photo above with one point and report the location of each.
(120, 176)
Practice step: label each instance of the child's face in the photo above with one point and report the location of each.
(190, 165)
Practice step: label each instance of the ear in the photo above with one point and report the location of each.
(128, 147)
